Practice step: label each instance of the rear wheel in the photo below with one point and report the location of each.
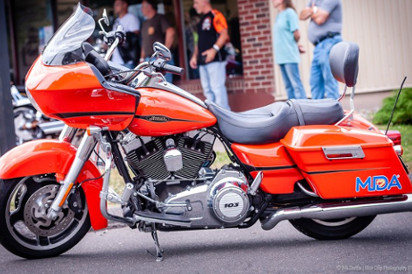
(332, 229)
(25, 229)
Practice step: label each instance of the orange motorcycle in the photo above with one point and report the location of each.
(327, 171)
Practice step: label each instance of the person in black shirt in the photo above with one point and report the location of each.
(156, 28)
(209, 53)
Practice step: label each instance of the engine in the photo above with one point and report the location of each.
(221, 201)
(157, 158)
(179, 169)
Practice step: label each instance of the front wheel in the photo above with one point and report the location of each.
(25, 229)
(332, 229)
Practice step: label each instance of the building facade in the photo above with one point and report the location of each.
(382, 29)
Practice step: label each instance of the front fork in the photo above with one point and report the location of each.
(83, 153)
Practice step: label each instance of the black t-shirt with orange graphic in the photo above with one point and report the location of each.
(209, 27)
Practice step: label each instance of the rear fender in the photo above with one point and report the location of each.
(52, 156)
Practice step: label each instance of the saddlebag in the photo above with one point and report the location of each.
(341, 162)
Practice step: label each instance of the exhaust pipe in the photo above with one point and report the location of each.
(340, 210)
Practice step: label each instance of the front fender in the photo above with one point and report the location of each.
(52, 156)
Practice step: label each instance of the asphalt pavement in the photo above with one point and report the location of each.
(383, 247)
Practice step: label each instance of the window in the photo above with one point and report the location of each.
(191, 19)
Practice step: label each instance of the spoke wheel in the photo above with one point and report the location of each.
(332, 229)
(25, 229)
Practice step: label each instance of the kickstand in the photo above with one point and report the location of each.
(159, 251)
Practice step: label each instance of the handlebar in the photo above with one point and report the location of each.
(161, 65)
(173, 69)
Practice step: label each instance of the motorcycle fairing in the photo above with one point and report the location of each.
(363, 166)
(51, 156)
(280, 173)
(73, 94)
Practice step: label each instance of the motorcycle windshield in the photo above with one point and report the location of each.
(65, 45)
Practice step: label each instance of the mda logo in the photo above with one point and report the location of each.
(378, 183)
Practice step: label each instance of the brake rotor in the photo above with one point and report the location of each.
(35, 213)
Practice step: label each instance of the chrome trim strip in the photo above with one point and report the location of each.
(352, 152)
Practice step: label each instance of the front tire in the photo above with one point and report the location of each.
(332, 229)
(24, 228)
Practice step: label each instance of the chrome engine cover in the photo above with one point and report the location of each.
(219, 202)
(230, 203)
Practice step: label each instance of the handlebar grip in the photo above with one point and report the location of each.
(173, 69)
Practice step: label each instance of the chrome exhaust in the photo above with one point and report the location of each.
(340, 210)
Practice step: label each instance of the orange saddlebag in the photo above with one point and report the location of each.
(340, 162)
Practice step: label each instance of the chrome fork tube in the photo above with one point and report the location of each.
(82, 155)
(67, 134)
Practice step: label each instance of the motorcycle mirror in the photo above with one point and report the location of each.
(162, 51)
(106, 18)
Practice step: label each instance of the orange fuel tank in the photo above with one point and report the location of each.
(162, 113)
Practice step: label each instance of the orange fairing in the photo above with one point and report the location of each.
(279, 171)
(343, 162)
(163, 113)
(49, 156)
(72, 93)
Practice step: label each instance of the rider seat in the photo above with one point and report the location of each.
(270, 123)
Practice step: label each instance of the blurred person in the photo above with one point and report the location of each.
(156, 28)
(128, 53)
(209, 53)
(286, 37)
(324, 31)
(191, 21)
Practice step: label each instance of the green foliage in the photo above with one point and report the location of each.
(403, 111)
(221, 159)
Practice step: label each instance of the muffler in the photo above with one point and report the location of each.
(340, 210)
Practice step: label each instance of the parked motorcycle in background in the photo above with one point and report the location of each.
(30, 124)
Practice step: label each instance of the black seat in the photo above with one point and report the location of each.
(270, 123)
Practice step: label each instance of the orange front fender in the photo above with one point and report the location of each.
(51, 156)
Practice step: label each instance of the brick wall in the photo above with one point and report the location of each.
(257, 86)
(256, 38)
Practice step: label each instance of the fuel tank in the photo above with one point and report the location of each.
(73, 94)
(161, 113)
